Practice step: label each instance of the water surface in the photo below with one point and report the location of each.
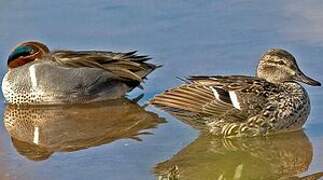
(187, 37)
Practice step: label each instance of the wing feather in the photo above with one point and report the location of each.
(126, 66)
(205, 97)
(192, 97)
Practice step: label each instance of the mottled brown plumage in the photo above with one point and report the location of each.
(243, 105)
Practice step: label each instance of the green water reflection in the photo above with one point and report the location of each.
(283, 156)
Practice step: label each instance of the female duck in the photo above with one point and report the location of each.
(241, 105)
(37, 75)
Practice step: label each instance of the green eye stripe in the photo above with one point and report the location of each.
(20, 51)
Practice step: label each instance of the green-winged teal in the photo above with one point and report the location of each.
(234, 106)
(37, 75)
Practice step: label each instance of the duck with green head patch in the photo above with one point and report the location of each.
(234, 106)
(37, 75)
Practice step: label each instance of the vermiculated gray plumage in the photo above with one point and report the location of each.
(63, 76)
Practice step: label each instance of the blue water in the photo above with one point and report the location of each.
(186, 37)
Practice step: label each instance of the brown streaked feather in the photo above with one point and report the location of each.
(194, 97)
(126, 66)
(229, 83)
(197, 98)
(190, 118)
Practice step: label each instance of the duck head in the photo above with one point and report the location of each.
(278, 66)
(26, 52)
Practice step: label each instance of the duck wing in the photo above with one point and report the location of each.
(126, 66)
(233, 98)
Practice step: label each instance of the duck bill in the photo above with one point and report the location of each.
(301, 77)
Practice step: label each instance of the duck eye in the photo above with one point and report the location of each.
(20, 51)
(280, 62)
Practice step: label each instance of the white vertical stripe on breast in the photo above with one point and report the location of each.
(216, 94)
(33, 77)
(234, 100)
(36, 135)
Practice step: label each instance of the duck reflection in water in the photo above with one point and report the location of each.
(283, 156)
(39, 131)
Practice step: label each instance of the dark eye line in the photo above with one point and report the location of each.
(280, 62)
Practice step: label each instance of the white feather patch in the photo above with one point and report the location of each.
(234, 100)
(33, 77)
(216, 94)
(36, 135)
(238, 172)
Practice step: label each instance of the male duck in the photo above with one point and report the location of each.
(234, 106)
(37, 75)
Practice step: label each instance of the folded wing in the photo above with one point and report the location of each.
(215, 97)
(126, 66)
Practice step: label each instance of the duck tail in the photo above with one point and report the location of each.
(145, 68)
(138, 65)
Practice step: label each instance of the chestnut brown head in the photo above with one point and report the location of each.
(26, 52)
